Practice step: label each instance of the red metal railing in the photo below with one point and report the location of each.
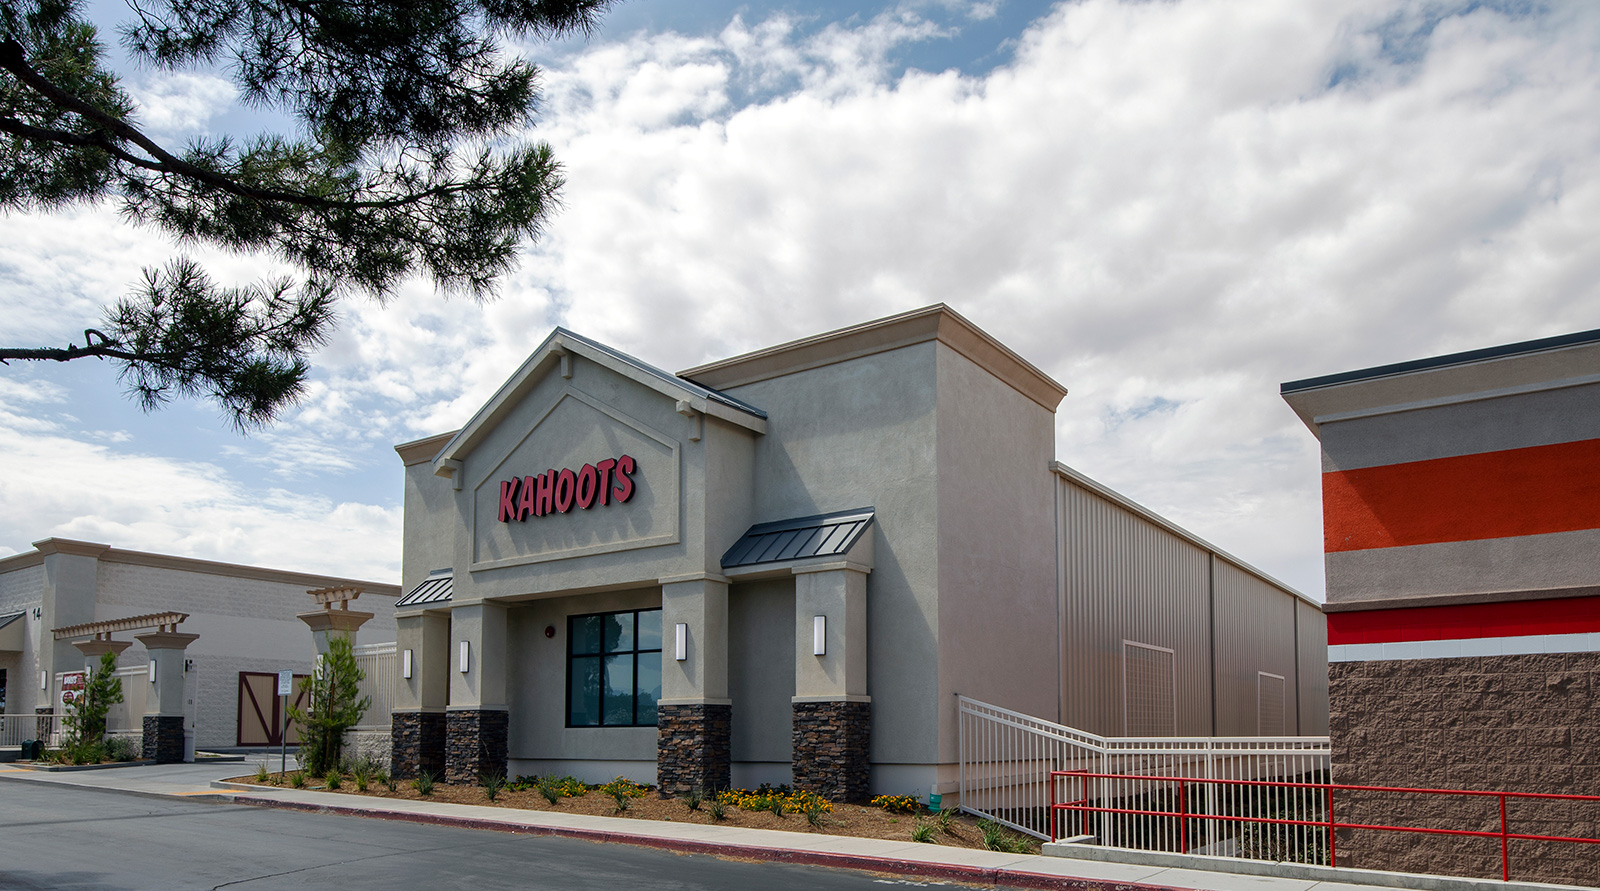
(1184, 814)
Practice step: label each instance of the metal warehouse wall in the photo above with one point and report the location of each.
(1126, 574)
(1123, 577)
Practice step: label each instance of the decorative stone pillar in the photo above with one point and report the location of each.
(476, 724)
(97, 646)
(331, 620)
(695, 716)
(163, 702)
(417, 728)
(832, 732)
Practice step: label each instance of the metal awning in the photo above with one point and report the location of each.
(823, 535)
(11, 626)
(436, 588)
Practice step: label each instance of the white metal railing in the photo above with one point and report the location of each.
(379, 663)
(15, 728)
(1006, 759)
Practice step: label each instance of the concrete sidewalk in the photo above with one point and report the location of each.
(904, 858)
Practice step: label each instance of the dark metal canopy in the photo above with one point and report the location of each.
(436, 588)
(823, 535)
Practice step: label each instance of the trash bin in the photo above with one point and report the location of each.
(30, 750)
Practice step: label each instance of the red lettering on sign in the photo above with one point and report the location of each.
(525, 503)
(601, 483)
(587, 478)
(625, 466)
(508, 506)
(604, 492)
(545, 501)
(565, 484)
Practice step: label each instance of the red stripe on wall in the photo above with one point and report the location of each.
(1531, 491)
(1573, 615)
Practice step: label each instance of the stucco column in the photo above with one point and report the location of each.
(95, 647)
(163, 701)
(832, 712)
(417, 728)
(695, 715)
(324, 623)
(476, 720)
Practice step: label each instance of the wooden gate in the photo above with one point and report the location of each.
(261, 709)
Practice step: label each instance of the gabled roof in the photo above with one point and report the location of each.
(549, 354)
(823, 535)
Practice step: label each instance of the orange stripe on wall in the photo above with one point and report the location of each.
(1531, 491)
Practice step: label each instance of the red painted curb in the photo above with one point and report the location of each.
(955, 872)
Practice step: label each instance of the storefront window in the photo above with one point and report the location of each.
(614, 669)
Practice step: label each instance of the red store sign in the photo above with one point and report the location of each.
(559, 491)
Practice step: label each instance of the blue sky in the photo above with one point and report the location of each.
(1170, 207)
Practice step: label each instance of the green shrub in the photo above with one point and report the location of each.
(492, 783)
(261, 773)
(719, 811)
(923, 832)
(332, 690)
(550, 789)
(423, 783)
(693, 799)
(331, 780)
(121, 748)
(898, 804)
(298, 779)
(815, 813)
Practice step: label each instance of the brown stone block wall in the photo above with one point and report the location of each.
(1498, 723)
(693, 748)
(475, 744)
(831, 744)
(417, 744)
(163, 739)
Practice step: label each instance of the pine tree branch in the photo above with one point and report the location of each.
(13, 58)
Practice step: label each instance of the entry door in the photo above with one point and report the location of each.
(261, 709)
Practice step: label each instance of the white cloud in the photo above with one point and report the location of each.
(1171, 208)
(69, 485)
(180, 103)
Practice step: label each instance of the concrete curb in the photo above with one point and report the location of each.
(955, 872)
(219, 797)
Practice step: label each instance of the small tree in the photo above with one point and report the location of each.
(334, 708)
(86, 722)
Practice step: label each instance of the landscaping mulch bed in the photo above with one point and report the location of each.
(860, 821)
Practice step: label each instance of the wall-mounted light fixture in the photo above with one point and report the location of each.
(680, 641)
(44, 680)
(405, 664)
(151, 671)
(466, 656)
(188, 665)
(819, 635)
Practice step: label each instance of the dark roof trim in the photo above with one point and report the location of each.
(698, 389)
(820, 535)
(8, 619)
(438, 587)
(1496, 352)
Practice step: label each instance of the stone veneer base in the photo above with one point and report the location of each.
(831, 744)
(693, 749)
(417, 744)
(1528, 723)
(163, 739)
(475, 744)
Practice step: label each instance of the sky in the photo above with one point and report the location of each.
(1171, 208)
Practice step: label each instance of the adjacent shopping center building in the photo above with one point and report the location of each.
(784, 566)
(1461, 516)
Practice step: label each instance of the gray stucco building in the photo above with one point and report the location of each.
(783, 567)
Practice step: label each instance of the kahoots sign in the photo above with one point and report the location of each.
(559, 491)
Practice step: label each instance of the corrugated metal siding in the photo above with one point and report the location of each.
(1255, 632)
(1123, 577)
(1313, 629)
